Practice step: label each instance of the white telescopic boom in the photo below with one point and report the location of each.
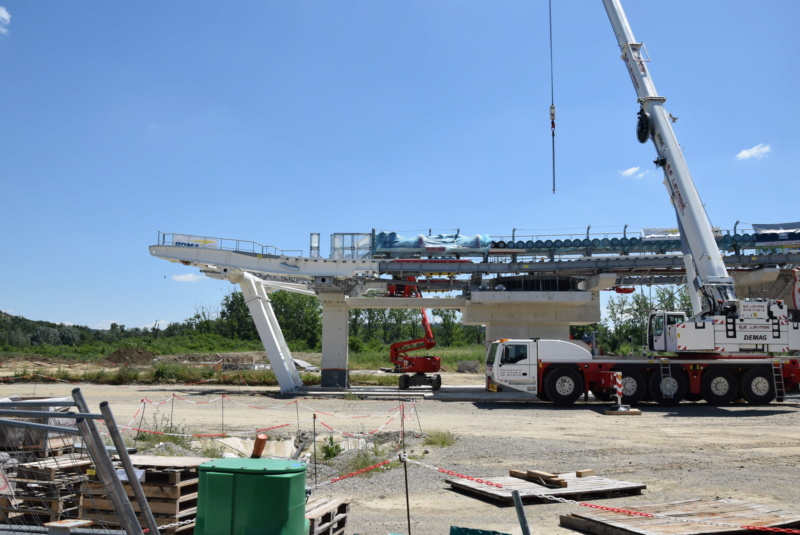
(712, 283)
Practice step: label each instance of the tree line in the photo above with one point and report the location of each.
(231, 328)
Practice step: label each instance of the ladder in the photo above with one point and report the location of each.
(777, 375)
(667, 388)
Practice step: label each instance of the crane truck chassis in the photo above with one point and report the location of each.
(561, 372)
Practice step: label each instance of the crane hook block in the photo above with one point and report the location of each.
(643, 126)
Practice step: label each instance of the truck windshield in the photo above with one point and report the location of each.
(491, 353)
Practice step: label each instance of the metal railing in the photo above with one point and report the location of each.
(225, 244)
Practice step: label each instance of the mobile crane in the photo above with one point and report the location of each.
(722, 350)
(419, 366)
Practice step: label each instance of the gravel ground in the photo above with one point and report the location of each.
(692, 451)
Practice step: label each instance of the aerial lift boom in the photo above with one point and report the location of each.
(418, 365)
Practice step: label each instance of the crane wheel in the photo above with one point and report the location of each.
(563, 386)
(634, 386)
(668, 391)
(757, 386)
(719, 386)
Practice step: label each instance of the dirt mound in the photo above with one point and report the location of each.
(131, 355)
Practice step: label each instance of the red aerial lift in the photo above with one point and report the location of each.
(419, 366)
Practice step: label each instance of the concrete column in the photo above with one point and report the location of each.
(335, 328)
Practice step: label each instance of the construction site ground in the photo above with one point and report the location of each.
(693, 451)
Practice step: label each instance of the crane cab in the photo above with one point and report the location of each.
(657, 327)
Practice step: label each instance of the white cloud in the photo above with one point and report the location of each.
(630, 172)
(188, 277)
(635, 172)
(5, 20)
(757, 152)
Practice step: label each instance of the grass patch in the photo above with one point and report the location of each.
(374, 379)
(440, 438)
(373, 360)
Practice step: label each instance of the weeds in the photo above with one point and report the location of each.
(330, 449)
(163, 430)
(440, 438)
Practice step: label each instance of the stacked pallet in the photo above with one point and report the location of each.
(170, 485)
(327, 517)
(45, 490)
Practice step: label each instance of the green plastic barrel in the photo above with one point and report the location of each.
(252, 496)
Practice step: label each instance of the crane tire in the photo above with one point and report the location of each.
(634, 386)
(719, 386)
(668, 391)
(758, 387)
(563, 386)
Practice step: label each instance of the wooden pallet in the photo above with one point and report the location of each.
(45, 490)
(170, 485)
(327, 517)
(103, 521)
(151, 490)
(724, 511)
(52, 467)
(54, 509)
(577, 488)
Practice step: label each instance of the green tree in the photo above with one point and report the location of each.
(448, 328)
(300, 318)
(234, 318)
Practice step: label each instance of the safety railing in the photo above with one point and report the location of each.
(225, 244)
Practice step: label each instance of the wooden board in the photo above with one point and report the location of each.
(157, 461)
(577, 488)
(151, 490)
(724, 511)
(50, 468)
(166, 507)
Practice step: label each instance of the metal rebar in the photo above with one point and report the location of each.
(130, 471)
(108, 477)
(523, 521)
(37, 403)
(50, 414)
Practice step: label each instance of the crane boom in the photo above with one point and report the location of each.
(710, 286)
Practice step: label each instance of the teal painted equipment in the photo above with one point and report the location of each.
(252, 496)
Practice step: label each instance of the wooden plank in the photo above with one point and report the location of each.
(577, 488)
(157, 461)
(151, 490)
(722, 511)
(539, 473)
(171, 507)
(161, 520)
(535, 476)
(584, 473)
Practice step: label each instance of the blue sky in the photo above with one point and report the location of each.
(270, 120)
